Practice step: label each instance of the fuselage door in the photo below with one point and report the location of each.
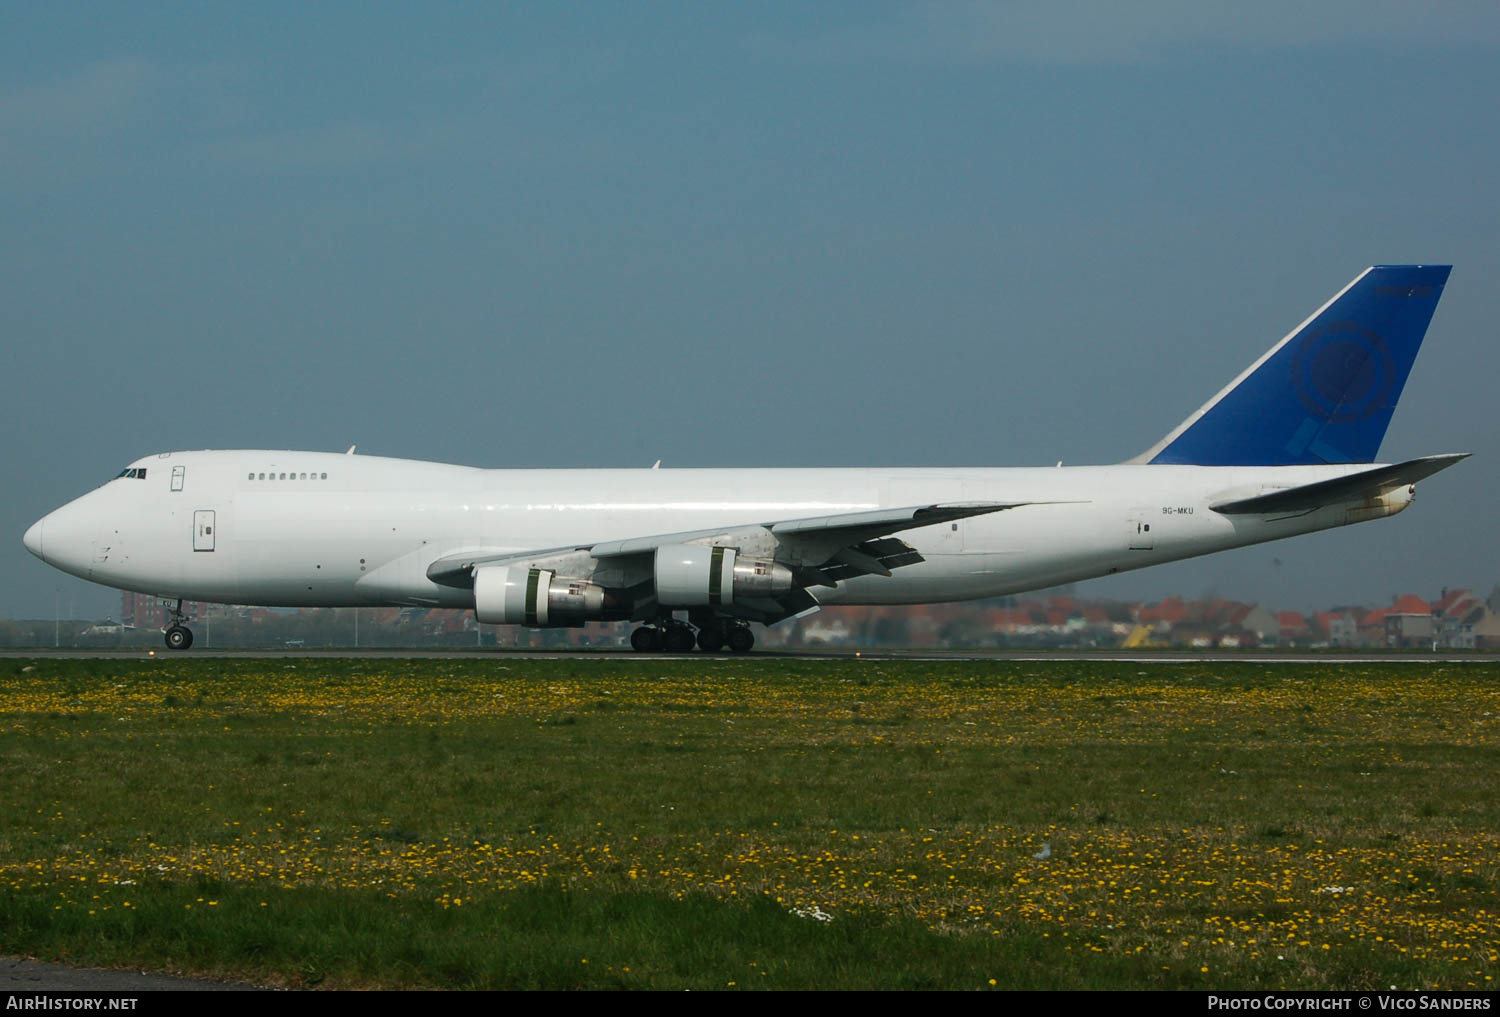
(203, 530)
(177, 472)
(1140, 530)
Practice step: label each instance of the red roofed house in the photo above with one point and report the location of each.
(1459, 618)
(1408, 623)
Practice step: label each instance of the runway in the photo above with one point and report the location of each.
(1121, 656)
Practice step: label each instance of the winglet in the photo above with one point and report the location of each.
(1325, 393)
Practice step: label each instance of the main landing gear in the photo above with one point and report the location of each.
(674, 636)
(178, 636)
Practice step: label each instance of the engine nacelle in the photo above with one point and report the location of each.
(694, 575)
(515, 595)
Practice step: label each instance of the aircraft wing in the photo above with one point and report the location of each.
(1327, 492)
(841, 528)
(821, 550)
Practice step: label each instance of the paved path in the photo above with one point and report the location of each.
(19, 976)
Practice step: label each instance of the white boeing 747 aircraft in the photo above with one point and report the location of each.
(1285, 448)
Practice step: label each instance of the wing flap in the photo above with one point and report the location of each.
(870, 557)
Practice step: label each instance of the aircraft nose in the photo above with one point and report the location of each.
(33, 538)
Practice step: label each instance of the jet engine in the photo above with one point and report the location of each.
(694, 575)
(515, 595)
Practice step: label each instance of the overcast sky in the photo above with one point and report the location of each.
(754, 234)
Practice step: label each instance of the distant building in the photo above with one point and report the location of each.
(1339, 627)
(1295, 630)
(1461, 620)
(1408, 623)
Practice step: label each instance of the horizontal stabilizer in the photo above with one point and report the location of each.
(1340, 489)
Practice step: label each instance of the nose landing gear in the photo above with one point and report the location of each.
(177, 635)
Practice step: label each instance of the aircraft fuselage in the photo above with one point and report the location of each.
(322, 529)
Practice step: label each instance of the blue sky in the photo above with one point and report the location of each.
(755, 234)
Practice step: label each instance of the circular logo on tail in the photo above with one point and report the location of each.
(1344, 372)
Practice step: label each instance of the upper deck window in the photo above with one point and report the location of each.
(266, 476)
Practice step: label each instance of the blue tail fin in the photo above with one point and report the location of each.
(1325, 393)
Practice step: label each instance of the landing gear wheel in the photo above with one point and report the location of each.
(646, 639)
(711, 639)
(741, 639)
(178, 636)
(678, 639)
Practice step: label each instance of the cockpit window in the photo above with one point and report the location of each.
(138, 473)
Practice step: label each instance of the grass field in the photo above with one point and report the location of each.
(512, 822)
